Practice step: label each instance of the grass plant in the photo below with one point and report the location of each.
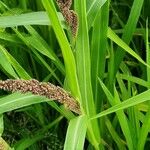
(96, 50)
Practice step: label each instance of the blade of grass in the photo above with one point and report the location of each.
(77, 126)
(124, 46)
(128, 31)
(110, 81)
(124, 91)
(140, 98)
(47, 66)
(38, 56)
(5, 64)
(124, 123)
(84, 71)
(33, 18)
(128, 91)
(114, 134)
(146, 122)
(1, 124)
(62, 110)
(98, 51)
(147, 52)
(93, 9)
(17, 100)
(120, 114)
(10, 37)
(83, 60)
(134, 80)
(69, 60)
(48, 50)
(21, 72)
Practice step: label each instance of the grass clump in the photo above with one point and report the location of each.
(97, 51)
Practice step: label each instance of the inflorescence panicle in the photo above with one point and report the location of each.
(42, 89)
(69, 15)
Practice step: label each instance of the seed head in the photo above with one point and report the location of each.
(69, 15)
(43, 89)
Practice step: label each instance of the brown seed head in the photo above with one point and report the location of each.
(43, 89)
(69, 15)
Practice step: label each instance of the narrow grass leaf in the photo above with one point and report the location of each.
(146, 122)
(144, 131)
(140, 98)
(76, 133)
(69, 60)
(43, 47)
(124, 46)
(98, 51)
(83, 62)
(33, 18)
(39, 43)
(123, 89)
(147, 52)
(120, 114)
(114, 134)
(38, 56)
(26, 142)
(17, 100)
(1, 124)
(62, 110)
(128, 31)
(83, 59)
(93, 9)
(134, 79)
(124, 122)
(5, 63)
(18, 68)
(46, 65)
(21, 72)
(10, 37)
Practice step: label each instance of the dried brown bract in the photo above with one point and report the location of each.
(69, 15)
(43, 89)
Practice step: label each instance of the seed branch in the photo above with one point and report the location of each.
(43, 89)
(69, 15)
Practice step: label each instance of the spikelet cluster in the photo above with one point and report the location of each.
(43, 89)
(69, 15)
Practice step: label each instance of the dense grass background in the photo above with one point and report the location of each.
(106, 68)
